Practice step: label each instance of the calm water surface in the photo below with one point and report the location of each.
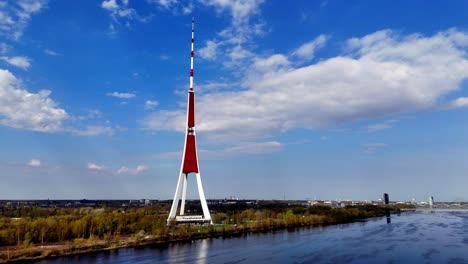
(416, 237)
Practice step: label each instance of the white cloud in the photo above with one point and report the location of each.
(151, 104)
(52, 53)
(245, 148)
(15, 15)
(254, 148)
(94, 166)
(238, 57)
(381, 126)
(91, 114)
(382, 74)
(176, 7)
(18, 61)
(276, 63)
(4, 48)
(120, 12)
(233, 39)
(240, 10)
(164, 3)
(187, 8)
(24, 110)
(211, 85)
(209, 51)
(121, 95)
(93, 130)
(307, 50)
(34, 163)
(459, 102)
(125, 170)
(110, 5)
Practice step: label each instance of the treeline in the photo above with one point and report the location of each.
(58, 225)
(27, 227)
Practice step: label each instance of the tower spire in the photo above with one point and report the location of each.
(189, 159)
(192, 53)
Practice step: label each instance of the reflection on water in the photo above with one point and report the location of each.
(388, 216)
(202, 251)
(416, 237)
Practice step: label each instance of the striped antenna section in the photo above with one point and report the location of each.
(192, 53)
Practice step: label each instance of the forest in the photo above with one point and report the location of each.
(23, 231)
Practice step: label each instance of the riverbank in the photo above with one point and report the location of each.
(260, 221)
(99, 230)
(412, 237)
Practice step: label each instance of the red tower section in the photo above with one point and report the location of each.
(191, 110)
(190, 160)
(190, 155)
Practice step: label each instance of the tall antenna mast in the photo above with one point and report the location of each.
(189, 161)
(192, 53)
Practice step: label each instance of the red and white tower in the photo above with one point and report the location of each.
(189, 161)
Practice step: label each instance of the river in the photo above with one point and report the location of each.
(412, 237)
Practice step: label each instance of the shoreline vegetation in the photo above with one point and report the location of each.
(39, 233)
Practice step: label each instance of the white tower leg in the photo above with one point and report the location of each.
(206, 212)
(175, 202)
(184, 193)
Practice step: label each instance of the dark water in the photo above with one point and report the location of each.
(416, 237)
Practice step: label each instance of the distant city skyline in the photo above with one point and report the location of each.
(309, 99)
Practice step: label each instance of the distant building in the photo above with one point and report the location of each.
(386, 198)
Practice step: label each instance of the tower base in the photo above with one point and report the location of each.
(191, 219)
(180, 195)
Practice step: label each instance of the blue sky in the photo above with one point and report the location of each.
(302, 99)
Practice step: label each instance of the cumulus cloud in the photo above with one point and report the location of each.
(274, 63)
(209, 51)
(94, 166)
(120, 13)
(378, 75)
(151, 104)
(233, 39)
(307, 50)
(459, 102)
(137, 170)
(18, 61)
(176, 7)
(25, 110)
(110, 5)
(15, 16)
(240, 10)
(122, 95)
(164, 3)
(211, 85)
(34, 163)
